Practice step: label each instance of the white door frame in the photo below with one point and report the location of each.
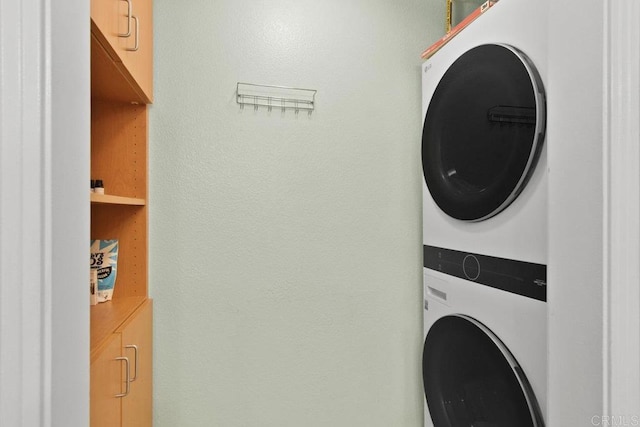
(44, 212)
(621, 302)
(594, 213)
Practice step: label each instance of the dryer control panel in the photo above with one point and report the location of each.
(518, 277)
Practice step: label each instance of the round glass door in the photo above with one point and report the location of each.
(471, 379)
(483, 132)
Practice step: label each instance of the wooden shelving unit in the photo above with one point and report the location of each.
(121, 88)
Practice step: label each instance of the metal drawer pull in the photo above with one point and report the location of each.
(137, 44)
(128, 33)
(126, 359)
(135, 358)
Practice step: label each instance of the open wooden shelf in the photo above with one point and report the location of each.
(117, 200)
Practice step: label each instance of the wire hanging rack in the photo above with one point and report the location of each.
(282, 97)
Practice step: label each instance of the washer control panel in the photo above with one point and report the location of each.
(518, 277)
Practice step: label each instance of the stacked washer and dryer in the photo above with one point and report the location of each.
(485, 222)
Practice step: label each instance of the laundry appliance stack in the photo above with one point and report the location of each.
(485, 222)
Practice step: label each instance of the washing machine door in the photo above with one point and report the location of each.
(472, 380)
(483, 132)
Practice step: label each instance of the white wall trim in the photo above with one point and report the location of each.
(44, 212)
(23, 217)
(67, 112)
(622, 210)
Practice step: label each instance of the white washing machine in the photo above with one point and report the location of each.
(485, 222)
(484, 361)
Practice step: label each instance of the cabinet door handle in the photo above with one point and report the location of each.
(126, 360)
(137, 44)
(128, 33)
(135, 358)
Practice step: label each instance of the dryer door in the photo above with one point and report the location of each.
(471, 379)
(483, 132)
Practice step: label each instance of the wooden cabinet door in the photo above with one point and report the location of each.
(137, 406)
(106, 383)
(140, 62)
(110, 19)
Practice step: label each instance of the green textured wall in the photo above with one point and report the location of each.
(285, 250)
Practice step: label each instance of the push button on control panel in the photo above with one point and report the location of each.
(471, 267)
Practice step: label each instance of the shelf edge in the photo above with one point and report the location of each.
(117, 200)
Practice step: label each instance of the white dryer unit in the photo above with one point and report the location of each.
(485, 222)
(483, 153)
